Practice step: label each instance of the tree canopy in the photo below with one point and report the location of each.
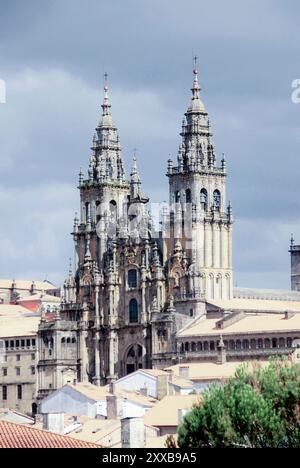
(258, 408)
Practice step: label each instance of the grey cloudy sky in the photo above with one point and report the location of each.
(53, 54)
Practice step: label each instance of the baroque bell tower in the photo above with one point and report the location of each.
(201, 220)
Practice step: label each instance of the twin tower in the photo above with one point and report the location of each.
(135, 287)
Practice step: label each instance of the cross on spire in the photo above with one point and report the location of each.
(195, 62)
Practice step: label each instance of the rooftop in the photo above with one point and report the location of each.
(257, 305)
(250, 323)
(268, 294)
(95, 430)
(20, 436)
(213, 371)
(165, 412)
(99, 393)
(16, 320)
(26, 285)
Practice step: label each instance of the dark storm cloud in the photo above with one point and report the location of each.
(53, 55)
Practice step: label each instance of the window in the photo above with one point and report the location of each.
(188, 196)
(113, 210)
(12, 344)
(28, 343)
(177, 197)
(191, 313)
(22, 343)
(18, 357)
(4, 392)
(33, 342)
(33, 357)
(133, 311)
(32, 370)
(4, 371)
(19, 392)
(217, 199)
(17, 343)
(203, 199)
(132, 278)
(18, 371)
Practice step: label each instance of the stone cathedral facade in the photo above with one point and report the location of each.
(136, 286)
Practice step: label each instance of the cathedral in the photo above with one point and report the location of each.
(135, 287)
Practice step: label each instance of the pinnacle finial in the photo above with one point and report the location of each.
(292, 240)
(195, 63)
(70, 268)
(106, 104)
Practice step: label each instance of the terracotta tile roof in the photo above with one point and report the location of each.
(20, 436)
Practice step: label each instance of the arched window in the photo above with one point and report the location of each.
(245, 344)
(113, 209)
(281, 343)
(133, 311)
(177, 197)
(253, 344)
(134, 359)
(267, 343)
(63, 340)
(188, 196)
(217, 199)
(203, 199)
(132, 278)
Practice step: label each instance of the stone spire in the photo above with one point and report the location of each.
(196, 150)
(196, 104)
(106, 163)
(135, 181)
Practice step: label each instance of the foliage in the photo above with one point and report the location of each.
(257, 409)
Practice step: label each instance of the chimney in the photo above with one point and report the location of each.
(132, 433)
(112, 388)
(184, 372)
(54, 422)
(221, 359)
(144, 391)
(170, 374)
(288, 315)
(162, 386)
(114, 407)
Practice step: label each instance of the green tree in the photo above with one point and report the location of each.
(257, 408)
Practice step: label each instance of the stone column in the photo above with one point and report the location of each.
(97, 377)
(113, 359)
(83, 347)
